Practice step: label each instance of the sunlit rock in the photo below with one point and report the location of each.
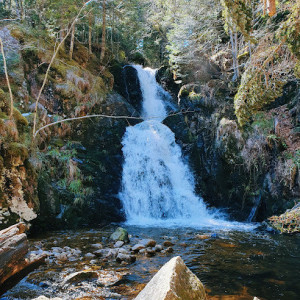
(174, 281)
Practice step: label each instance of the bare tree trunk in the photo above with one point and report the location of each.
(21, 10)
(72, 42)
(265, 6)
(103, 44)
(233, 42)
(7, 80)
(90, 33)
(272, 8)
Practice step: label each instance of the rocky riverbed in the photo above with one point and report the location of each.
(109, 264)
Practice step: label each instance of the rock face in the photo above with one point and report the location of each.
(222, 154)
(174, 281)
(132, 88)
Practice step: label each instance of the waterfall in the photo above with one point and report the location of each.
(157, 184)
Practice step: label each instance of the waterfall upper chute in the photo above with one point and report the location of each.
(157, 185)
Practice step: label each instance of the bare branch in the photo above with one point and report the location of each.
(110, 117)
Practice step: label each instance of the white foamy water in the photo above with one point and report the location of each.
(157, 184)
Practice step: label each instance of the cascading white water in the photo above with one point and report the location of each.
(157, 185)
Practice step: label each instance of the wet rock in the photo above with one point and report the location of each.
(202, 236)
(118, 244)
(46, 298)
(168, 244)
(124, 251)
(138, 247)
(143, 251)
(112, 253)
(109, 278)
(158, 248)
(102, 252)
(169, 250)
(62, 257)
(148, 243)
(89, 255)
(120, 234)
(150, 252)
(214, 235)
(125, 257)
(93, 262)
(174, 281)
(98, 245)
(80, 276)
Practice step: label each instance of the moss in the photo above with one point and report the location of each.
(19, 119)
(17, 150)
(58, 142)
(254, 94)
(3, 116)
(263, 122)
(18, 33)
(3, 101)
(1, 163)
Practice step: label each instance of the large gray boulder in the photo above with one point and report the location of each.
(174, 281)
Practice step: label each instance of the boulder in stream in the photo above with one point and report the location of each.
(174, 281)
(120, 234)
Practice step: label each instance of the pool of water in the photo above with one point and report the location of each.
(231, 264)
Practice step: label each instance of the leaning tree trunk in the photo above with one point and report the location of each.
(15, 262)
(103, 44)
(72, 42)
(90, 34)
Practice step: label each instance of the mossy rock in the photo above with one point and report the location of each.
(18, 33)
(3, 116)
(19, 119)
(16, 150)
(120, 234)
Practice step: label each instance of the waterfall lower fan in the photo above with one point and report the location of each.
(157, 185)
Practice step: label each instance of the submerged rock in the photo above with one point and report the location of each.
(120, 234)
(46, 298)
(138, 247)
(80, 276)
(125, 257)
(148, 243)
(174, 281)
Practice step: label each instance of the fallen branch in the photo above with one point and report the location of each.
(15, 263)
(111, 117)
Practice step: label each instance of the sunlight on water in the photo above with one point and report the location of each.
(157, 184)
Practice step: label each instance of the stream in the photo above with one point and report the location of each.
(233, 265)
